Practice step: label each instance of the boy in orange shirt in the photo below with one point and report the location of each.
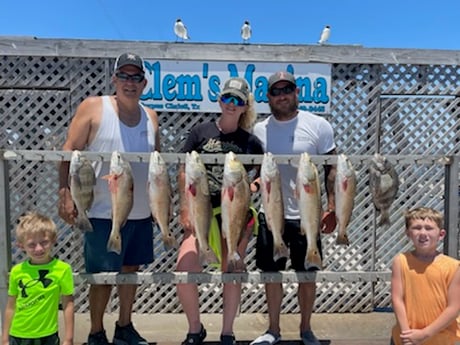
(425, 284)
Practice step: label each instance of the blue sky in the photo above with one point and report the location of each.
(424, 24)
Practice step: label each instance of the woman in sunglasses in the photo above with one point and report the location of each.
(230, 132)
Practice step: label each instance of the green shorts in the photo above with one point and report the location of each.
(214, 231)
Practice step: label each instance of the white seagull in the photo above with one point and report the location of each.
(180, 30)
(246, 31)
(325, 35)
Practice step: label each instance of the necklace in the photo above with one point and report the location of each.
(218, 126)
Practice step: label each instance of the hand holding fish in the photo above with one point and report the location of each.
(66, 207)
(184, 218)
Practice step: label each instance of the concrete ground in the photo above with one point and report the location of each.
(334, 329)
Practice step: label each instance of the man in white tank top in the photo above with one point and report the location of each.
(289, 131)
(106, 124)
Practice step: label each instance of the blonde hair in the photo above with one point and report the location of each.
(248, 118)
(35, 223)
(424, 213)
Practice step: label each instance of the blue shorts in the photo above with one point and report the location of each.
(136, 245)
(294, 240)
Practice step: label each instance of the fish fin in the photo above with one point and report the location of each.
(192, 189)
(307, 188)
(229, 192)
(344, 184)
(268, 187)
(112, 181)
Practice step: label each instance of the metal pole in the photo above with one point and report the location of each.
(451, 193)
(5, 235)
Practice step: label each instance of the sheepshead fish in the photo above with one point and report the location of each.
(159, 189)
(199, 204)
(236, 196)
(82, 181)
(308, 193)
(383, 184)
(272, 201)
(121, 187)
(345, 191)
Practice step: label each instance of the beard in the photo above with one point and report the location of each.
(285, 110)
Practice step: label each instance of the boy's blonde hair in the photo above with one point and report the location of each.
(35, 223)
(424, 213)
(248, 118)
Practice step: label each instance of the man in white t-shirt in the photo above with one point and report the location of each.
(290, 131)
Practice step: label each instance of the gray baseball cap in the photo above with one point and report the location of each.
(280, 76)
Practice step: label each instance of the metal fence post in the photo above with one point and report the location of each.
(5, 235)
(452, 190)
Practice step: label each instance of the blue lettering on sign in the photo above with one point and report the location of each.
(320, 93)
(213, 92)
(188, 87)
(260, 90)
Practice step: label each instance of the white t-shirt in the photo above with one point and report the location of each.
(306, 132)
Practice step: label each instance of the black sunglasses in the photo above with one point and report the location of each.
(227, 99)
(137, 78)
(287, 90)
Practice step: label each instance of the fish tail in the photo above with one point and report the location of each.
(313, 259)
(235, 263)
(83, 224)
(384, 218)
(280, 251)
(114, 242)
(169, 241)
(207, 257)
(342, 238)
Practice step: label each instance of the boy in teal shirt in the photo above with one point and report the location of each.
(36, 286)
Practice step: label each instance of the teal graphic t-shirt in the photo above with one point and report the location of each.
(38, 289)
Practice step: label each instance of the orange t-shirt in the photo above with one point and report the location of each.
(425, 287)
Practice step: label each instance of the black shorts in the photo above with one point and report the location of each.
(294, 240)
(52, 339)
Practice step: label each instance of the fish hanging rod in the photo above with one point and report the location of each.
(58, 156)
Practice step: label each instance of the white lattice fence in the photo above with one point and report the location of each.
(399, 109)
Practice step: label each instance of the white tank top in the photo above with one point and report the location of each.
(113, 135)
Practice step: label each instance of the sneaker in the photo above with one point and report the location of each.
(308, 338)
(98, 338)
(268, 338)
(227, 339)
(195, 338)
(127, 335)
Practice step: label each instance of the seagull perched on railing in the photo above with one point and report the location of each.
(246, 31)
(181, 30)
(325, 35)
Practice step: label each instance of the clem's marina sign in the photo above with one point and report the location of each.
(194, 86)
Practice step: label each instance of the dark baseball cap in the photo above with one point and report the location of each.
(280, 76)
(237, 87)
(129, 59)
